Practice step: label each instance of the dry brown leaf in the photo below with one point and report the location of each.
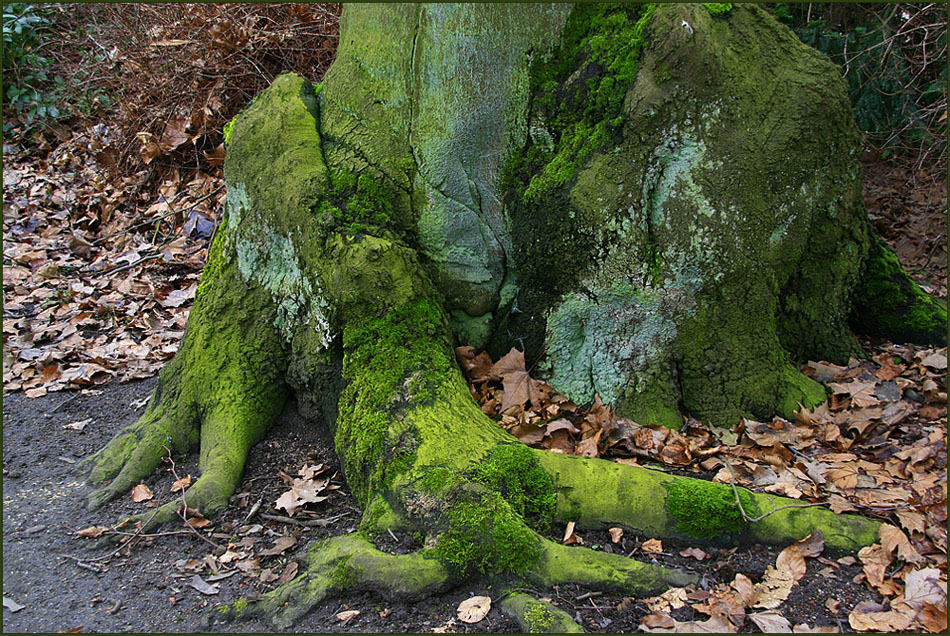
(654, 546)
(288, 574)
(715, 625)
(791, 559)
(771, 622)
(875, 560)
(695, 553)
(774, 588)
(672, 599)
(889, 621)
(570, 537)
(282, 545)
(745, 589)
(924, 586)
(812, 545)
(656, 620)
(473, 609)
(347, 615)
(615, 534)
(893, 538)
(181, 484)
(92, 532)
(140, 493)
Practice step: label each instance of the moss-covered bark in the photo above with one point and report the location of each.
(665, 196)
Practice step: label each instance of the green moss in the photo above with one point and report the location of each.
(436, 480)
(484, 533)
(390, 362)
(538, 618)
(358, 204)
(717, 8)
(228, 129)
(576, 102)
(342, 576)
(705, 509)
(513, 471)
(891, 305)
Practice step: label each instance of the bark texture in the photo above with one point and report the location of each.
(664, 200)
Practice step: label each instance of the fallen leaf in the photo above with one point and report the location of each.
(774, 588)
(288, 574)
(715, 625)
(93, 532)
(654, 546)
(570, 537)
(283, 544)
(140, 493)
(696, 553)
(203, 586)
(12, 605)
(812, 545)
(745, 589)
(924, 586)
(181, 484)
(77, 426)
(937, 360)
(473, 609)
(771, 622)
(893, 538)
(615, 534)
(791, 559)
(889, 621)
(347, 615)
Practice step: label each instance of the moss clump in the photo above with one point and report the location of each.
(513, 471)
(342, 575)
(437, 480)
(486, 534)
(538, 618)
(576, 111)
(228, 129)
(383, 363)
(891, 305)
(704, 509)
(717, 8)
(358, 204)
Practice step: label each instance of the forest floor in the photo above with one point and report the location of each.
(100, 264)
(892, 444)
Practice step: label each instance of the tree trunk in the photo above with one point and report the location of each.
(663, 202)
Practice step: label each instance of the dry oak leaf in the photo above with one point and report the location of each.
(93, 532)
(672, 599)
(141, 493)
(282, 545)
(473, 609)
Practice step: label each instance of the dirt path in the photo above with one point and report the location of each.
(53, 574)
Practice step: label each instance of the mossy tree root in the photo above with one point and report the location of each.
(220, 393)
(351, 563)
(535, 616)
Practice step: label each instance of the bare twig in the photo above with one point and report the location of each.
(774, 509)
(184, 503)
(313, 523)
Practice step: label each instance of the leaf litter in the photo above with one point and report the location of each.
(877, 447)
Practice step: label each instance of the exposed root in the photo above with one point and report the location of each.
(535, 616)
(134, 453)
(339, 564)
(560, 564)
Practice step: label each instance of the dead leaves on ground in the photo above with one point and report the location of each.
(310, 487)
(877, 446)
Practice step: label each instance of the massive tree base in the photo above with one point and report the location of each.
(364, 234)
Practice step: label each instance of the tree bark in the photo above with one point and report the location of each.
(665, 201)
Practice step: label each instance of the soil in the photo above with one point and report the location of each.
(54, 574)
